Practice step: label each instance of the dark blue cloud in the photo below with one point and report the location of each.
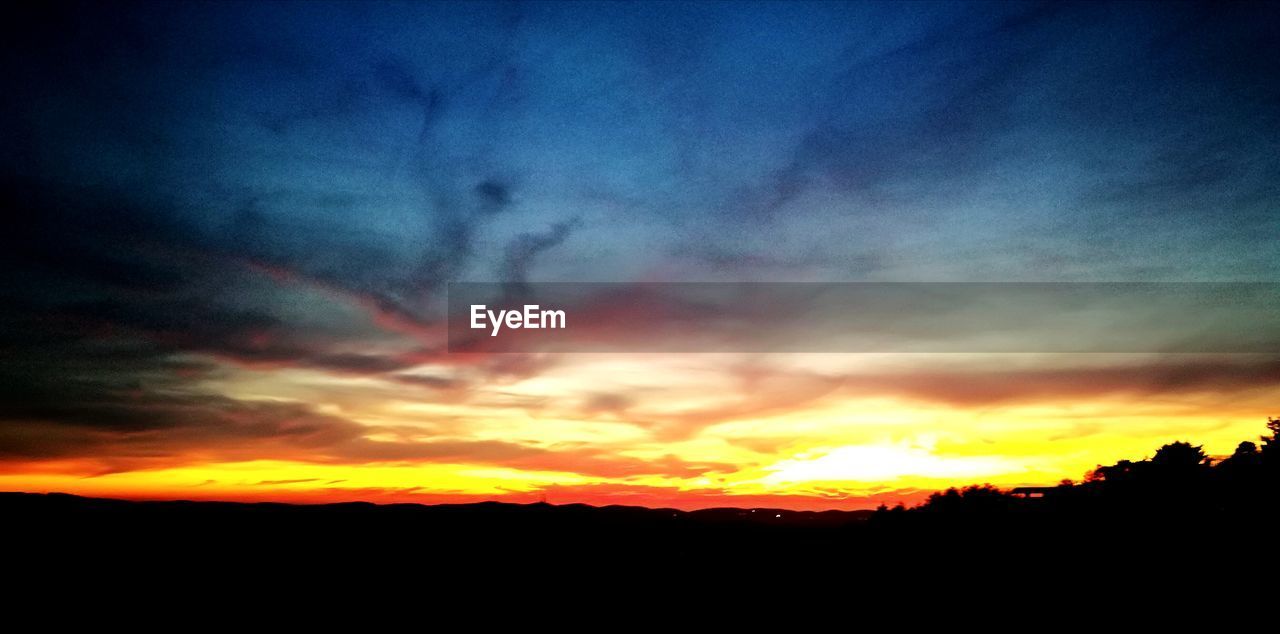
(373, 145)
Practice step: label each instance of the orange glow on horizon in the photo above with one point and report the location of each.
(706, 437)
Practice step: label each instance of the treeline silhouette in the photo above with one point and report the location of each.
(1178, 487)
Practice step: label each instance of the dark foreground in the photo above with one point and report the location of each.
(478, 532)
(68, 532)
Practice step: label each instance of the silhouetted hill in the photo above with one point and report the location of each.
(480, 534)
(485, 525)
(33, 505)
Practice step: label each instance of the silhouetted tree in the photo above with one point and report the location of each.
(1245, 449)
(1271, 443)
(1180, 457)
(1246, 456)
(1119, 472)
(975, 499)
(1179, 483)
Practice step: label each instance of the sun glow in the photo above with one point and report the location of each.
(886, 462)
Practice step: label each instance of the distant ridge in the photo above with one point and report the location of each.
(66, 502)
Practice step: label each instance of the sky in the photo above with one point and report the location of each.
(230, 227)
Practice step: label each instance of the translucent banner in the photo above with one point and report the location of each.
(864, 317)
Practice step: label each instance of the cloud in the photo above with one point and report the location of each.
(1191, 375)
(216, 187)
(522, 251)
(763, 389)
(144, 416)
(116, 433)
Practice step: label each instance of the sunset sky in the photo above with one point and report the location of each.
(230, 228)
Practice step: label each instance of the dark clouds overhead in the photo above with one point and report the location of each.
(292, 184)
